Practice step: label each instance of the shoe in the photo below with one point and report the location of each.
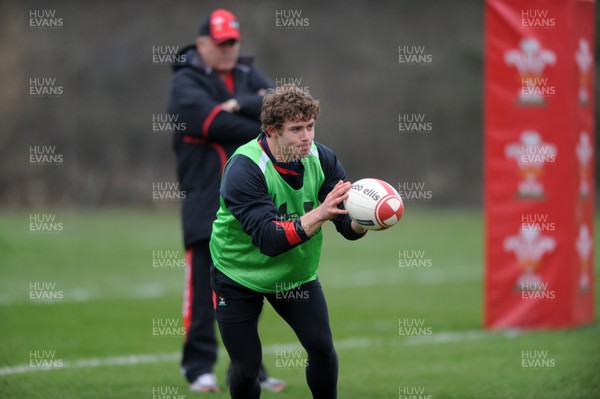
(273, 385)
(205, 383)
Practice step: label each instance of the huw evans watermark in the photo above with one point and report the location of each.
(291, 19)
(45, 223)
(44, 292)
(413, 259)
(165, 191)
(414, 191)
(538, 222)
(290, 359)
(413, 392)
(536, 291)
(537, 19)
(167, 123)
(413, 327)
(167, 327)
(537, 360)
(167, 392)
(280, 85)
(414, 123)
(44, 359)
(414, 55)
(44, 19)
(167, 55)
(45, 87)
(167, 259)
(286, 291)
(44, 155)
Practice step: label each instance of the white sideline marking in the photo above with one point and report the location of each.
(97, 362)
(350, 343)
(457, 336)
(390, 277)
(141, 291)
(165, 357)
(397, 277)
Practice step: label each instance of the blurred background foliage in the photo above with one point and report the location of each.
(347, 57)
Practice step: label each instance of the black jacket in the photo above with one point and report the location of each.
(211, 135)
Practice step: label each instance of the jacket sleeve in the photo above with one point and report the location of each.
(251, 104)
(244, 191)
(334, 172)
(192, 104)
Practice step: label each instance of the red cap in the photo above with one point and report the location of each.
(221, 26)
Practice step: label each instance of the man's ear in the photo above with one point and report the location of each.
(199, 43)
(271, 131)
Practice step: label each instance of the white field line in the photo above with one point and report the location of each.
(374, 277)
(167, 357)
(81, 294)
(347, 344)
(356, 279)
(457, 336)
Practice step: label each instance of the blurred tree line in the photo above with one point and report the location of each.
(344, 53)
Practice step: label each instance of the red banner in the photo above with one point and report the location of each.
(539, 157)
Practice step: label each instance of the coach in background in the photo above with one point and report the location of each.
(218, 95)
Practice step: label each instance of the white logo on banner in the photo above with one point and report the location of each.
(529, 246)
(584, 151)
(531, 154)
(584, 59)
(584, 245)
(531, 60)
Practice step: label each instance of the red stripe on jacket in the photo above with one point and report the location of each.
(188, 295)
(209, 119)
(290, 232)
(217, 147)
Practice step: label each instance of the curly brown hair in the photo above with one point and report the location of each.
(287, 103)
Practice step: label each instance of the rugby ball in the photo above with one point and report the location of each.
(374, 204)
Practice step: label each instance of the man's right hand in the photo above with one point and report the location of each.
(327, 210)
(231, 105)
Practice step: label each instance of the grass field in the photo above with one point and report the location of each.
(99, 335)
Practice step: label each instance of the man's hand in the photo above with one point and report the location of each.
(358, 228)
(327, 210)
(231, 105)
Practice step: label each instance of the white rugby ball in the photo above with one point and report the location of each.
(374, 204)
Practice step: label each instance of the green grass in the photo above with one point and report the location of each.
(102, 262)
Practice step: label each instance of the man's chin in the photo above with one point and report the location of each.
(225, 67)
(304, 149)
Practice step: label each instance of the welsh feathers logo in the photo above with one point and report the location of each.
(584, 152)
(584, 246)
(530, 60)
(529, 247)
(531, 154)
(584, 59)
(218, 22)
